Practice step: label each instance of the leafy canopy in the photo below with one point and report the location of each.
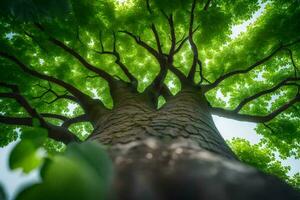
(58, 56)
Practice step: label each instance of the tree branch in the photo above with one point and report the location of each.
(76, 55)
(50, 90)
(173, 38)
(143, 44)
(255, 118)
(54, 116)
(257, 95)
(165, 92)
(293, 62)
(84, 100)
(22, 121)
(243, 71)
(54, 132)
(81, 118)
(196, 60)
(116, 54)
(158, 44)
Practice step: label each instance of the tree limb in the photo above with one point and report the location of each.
(58, 96)
(22, 121)
(76, 55)
(54, 116)
(257, 95)
(54, 132)
(165, 92)
(243, 71)
(84, 100)
(81, 118)
(158, 44)
(140, 42)
(254, 118)
(118, 61)
(196, 60)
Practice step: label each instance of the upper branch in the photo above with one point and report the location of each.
(257, 95)
(81, 118)
(76, 55)
(57, 96)
(254, 118)
(54, 132)
(293, 62)
(192, 71)
(143, 44)
(165, 92)
(173, 38)
(84, 100)
(158, 43)
(118, 61)
(244, 71)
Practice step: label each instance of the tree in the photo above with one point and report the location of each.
(144, 77)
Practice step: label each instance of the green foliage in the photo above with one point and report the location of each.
(84, 171)
(8, 135)
(263, 158)
(25, 154)
(88, 25)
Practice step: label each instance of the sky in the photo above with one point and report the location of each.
(14, 181)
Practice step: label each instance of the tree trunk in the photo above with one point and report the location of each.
(176, 152)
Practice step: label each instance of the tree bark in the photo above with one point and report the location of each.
(176, 152)
(185, 115)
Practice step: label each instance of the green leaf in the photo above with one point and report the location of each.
(25, 156)
(84, 172)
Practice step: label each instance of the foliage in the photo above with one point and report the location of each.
(262, 158)
(62, 59)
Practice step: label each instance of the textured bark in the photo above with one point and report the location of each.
(180, 169)
(176, 152)
(185, 115)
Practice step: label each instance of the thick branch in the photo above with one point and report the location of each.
(57, 96)
(143, 44)
(85, 100)
(244, 71)
(257, 95)
(173, 38)
(254, 118)
(54, 132)
(158, 44)
(69, 122)
(23, 121)
(118, 61)
(54, 116)
(192, 71)
(76, 55)
(165, 92)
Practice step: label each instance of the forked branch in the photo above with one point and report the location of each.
(246, 70)
(54, 132)
(255, 118)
